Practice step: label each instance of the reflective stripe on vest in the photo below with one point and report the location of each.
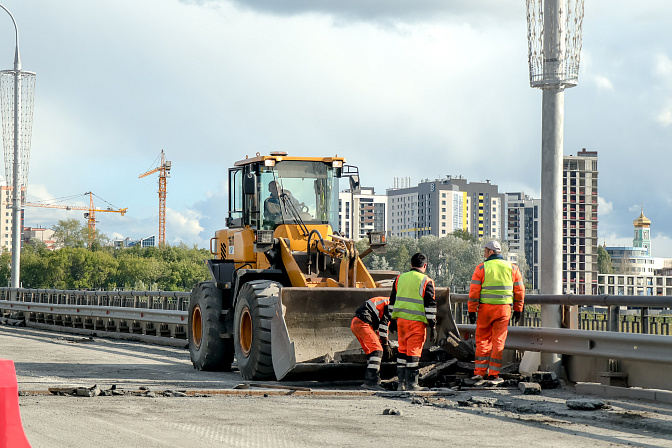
(497, 288)
(410, 303)
(377, 305)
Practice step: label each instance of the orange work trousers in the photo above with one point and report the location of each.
(411, 336)
(366, 336)
(492, 327)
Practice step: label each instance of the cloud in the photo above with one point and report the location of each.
(605, 207)
(661, 244)
(663, 67)
(184, 226)
(635, 208)
(603, 83)
(378, 10)
(614, 240)
(664, 117)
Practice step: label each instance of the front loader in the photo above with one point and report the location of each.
(285, 284)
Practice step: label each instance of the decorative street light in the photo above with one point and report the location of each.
(16, 138)
(554, 32)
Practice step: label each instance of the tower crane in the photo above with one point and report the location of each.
(90, 216)
(164, 172)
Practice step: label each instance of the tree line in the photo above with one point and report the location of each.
(451, 259)
(90, 263)
(81, 263)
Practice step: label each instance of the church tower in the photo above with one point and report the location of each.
(642, 233)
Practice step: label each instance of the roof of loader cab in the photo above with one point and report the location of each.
(282, 156)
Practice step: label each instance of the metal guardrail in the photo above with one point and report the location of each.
(164, 313)
(612, 344)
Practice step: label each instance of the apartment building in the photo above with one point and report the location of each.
(362, 212)
(579, 216)
(442, 206)
(523, 231)
(6, 216)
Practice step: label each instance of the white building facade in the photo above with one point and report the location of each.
(361, 213)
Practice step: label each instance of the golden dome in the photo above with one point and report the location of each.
(642, 221)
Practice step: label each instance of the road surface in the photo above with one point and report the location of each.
(226, 417)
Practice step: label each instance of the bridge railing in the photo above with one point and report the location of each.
(164, 313)
(156, 313)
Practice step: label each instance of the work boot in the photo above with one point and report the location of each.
(401, 371)
(493, 379)
(372, 375)
(412, 376)
(372, 380)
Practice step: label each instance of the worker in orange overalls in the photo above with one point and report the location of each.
(495, 286)
(372, 316)
(414, 307)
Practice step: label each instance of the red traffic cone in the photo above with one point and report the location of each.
(11, 429)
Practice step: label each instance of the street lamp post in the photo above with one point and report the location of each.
(21, 143)
(554, 41)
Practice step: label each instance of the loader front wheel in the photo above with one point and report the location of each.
(255, 308)
(207, 348)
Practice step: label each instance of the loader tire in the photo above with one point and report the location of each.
(255, 306)
(207, 348)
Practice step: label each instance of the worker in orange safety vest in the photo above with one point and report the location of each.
(413, 306)
(495, 286)
(372, 316)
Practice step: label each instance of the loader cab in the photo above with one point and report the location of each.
(267, 191)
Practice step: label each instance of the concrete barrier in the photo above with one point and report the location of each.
(11, 429)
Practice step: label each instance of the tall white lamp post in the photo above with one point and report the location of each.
(17, 123)
(554, 32)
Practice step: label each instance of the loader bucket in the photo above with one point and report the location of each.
(310, 330)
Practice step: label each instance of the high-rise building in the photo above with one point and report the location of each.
(6, 215)
(361, 213)
(580, 223)
(523, 231)
(442, 206)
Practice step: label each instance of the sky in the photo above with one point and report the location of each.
(419, 89)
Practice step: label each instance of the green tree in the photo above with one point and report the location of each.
(604, 264)
(70, 233)
(465, 235)
(5, 267)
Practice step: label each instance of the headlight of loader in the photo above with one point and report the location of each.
(264, 237)
(377, 238)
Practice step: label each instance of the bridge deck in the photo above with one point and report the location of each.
(282, 418)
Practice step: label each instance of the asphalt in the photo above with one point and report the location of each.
(216, 413)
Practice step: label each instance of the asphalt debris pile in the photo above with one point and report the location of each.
(13, 322)
(585, 404)
(95, 391)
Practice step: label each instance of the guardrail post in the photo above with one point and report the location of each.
(614, 317)
(645, 320)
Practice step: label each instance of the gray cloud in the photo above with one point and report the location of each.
(382, 11)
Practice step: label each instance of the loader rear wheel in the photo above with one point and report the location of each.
(255, 307)
(208, 350)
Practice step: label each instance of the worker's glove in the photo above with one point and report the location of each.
(432, 335)
(387, 352)
(392, 326)
(472, 318)
(516, 316)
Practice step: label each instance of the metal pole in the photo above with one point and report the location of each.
(552, 125)
(16, 185)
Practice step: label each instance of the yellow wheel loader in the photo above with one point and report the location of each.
(285, 284)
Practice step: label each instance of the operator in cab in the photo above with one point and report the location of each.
(272, 206)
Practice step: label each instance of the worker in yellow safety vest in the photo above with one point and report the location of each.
(496, 287)
(413, 307)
